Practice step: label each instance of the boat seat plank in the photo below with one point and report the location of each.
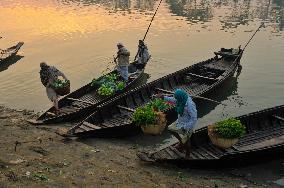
(85, 123)
(203, 153)
(278, 117)
(254, 138)
(178, 153)
(202, 77)
(214, 150)
(125, 108)
(196, 153)
(208, 152)
(265, 143)
(172, 155)
(79, 130)
(85, 128)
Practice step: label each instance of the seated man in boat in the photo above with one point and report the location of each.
(48, 74)
(143, 54)
(122, 61)
(182, 129)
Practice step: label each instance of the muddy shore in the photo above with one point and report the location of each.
(36, 156)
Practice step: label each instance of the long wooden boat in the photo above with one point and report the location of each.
(7, 54)
(264, 138)
(83, 101)
(115, 117)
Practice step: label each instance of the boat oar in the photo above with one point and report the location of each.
(194, 96)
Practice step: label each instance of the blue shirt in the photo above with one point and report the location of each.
(189, 118)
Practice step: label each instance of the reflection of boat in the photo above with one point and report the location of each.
(229, 88)
(115, 117)
(7, 54)
(264, 137)
(84, 100)
(5, 65)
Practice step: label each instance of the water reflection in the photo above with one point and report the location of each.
(228, 88)
(4, 66)
(194, 10)
(277, 13)
(114, 5)
(231, 14)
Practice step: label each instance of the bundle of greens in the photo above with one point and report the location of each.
(144, 115)
(57, 84)
(109, 84)
(230, 128)
(147, 115)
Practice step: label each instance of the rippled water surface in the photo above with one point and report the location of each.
(79, 37)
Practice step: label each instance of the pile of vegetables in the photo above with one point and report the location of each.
(230, 128)
(57, 84)
(160, 104)
(144, 115)
(147, 115)
(108, 85)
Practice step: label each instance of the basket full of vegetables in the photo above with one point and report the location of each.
(61, 87)
(226, 133)
(150, 117)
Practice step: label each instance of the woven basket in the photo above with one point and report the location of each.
(223, 143)
(63, 91)
(158, 128)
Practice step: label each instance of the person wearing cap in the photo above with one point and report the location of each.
(123, 61)
(48, 74)
(143, 54)
(182, 129)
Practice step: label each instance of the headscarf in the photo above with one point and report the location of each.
(181, 99)
(120, 44)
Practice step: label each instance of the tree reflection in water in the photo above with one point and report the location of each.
(195, 11)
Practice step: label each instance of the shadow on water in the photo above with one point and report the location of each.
(5, 65)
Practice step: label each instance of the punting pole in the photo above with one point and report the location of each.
(149, 26)
(261, 25)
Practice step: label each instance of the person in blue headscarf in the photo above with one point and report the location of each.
(182, 129)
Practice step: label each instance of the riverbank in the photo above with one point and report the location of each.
(36, 156)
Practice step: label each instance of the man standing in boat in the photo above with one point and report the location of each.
(143, 54)
(182, 129)
(48, 75)
(122, 61)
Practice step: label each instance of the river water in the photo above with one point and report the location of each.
(79, 37)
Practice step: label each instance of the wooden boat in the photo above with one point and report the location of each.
(6, 55)
(83, 101)
(264, 138)
(115, 117)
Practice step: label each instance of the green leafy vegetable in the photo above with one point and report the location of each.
(60, 84)
(108, 84)
(230, 128)
(144, 115)
(147, 114)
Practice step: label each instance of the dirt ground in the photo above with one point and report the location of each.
(35, 156)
